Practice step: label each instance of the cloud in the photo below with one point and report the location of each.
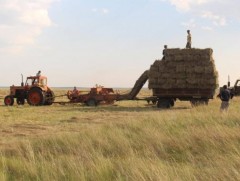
(23, 22)
(216, 12)
(207, 28)
(105, 11)
(216, 19)
(101, 11)
(186, 5)
(190, 24)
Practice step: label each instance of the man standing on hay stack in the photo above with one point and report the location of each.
(164, 51)
(225, 97)
(189, 40)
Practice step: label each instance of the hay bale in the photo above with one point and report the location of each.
(184, 68)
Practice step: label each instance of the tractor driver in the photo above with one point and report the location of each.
(39, 73)
(75, 91)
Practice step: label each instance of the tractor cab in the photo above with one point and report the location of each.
(236, 88)
(36, 81)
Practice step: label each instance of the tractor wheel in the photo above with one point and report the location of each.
(49, 98)
(20, 101)
(8, 100)
(36, 97)
(91, 102)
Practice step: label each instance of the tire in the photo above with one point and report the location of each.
(172, 102)
(164, 103)
(36, 97)
(91, 102)
(199, 102)
(154, 102)
(9, 100)
(194, 103)
(50, 98)
(20, 101)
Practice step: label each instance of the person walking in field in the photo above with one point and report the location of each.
(189, 39)
(225, 97)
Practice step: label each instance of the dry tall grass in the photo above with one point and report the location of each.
(128, 141)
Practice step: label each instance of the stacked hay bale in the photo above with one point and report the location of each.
(184, 69)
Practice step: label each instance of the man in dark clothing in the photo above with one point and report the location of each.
(225, 97)
(189, 39)
(164, 52)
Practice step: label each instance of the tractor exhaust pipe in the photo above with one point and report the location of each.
(22, 84)
(228, 81)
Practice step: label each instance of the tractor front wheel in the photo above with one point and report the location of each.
(36, 97)
(8, 100)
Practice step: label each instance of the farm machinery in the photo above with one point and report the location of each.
(34, 90)
(101, 95)
(235, 90)
(37, 93)
(184, 74)
(97, 95)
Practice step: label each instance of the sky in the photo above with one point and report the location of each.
(111, 42)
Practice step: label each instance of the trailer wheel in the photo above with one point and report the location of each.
(20, 101)
(8, 100)
(154, 102)
(164, 103)
(91, 102)
(199, 102)
(36, 97)
(172, 102)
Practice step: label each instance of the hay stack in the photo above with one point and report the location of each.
(185, 69)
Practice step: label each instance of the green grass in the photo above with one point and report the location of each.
(128, 141)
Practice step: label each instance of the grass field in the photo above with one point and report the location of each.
(129, 140)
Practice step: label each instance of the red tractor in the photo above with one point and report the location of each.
(35, 91)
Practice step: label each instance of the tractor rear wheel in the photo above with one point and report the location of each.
(20, 101)
(36, 97)
(91, 102)
(9, 100)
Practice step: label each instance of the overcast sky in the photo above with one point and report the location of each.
(111, 42)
